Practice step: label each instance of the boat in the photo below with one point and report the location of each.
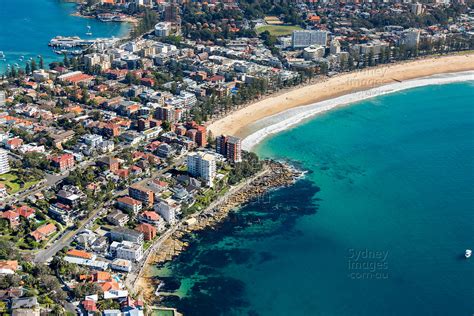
(468, 253)
(88, 33)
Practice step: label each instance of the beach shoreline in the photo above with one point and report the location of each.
(242, 121)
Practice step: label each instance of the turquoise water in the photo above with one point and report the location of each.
(391, 179)
(27, 26)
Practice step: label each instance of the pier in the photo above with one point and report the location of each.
(76, 41)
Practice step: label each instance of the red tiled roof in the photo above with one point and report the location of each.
(78, 78)
(89, 305)
(151, 215)
(79, 254)
(101, 276)
(145, 228)
(10, 215)
(43, 231)
(24, 210)
(9, 264)
(128, 200)
(109, 285)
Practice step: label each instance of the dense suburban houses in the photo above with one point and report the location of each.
(107, 150)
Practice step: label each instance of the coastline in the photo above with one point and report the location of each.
(273, 175)
(243, 121)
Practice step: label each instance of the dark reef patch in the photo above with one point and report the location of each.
(211, 251)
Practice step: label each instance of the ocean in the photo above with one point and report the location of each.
(378, 225)
(27, 26)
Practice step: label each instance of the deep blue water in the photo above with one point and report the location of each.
(27, 26)
(391, 179)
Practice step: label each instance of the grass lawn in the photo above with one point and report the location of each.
(11, 182)
(278, 30)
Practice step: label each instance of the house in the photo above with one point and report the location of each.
(148, 230)
(3, 190)
(25, 211)
(63, 162)
(90, 307)
(109, 285)
(115, 293)
(8, 266)
(44, 232)
(121, 265)
(13, 292)
(12, 217)
(25, 306)
(101, 276)
(118, 218)
(112, 312)
(131, 304)
(85, 238)
(62, 213)
(80, 254)
(122, 173)
(70, 196)
(13, 143)
(100, 245)
(129, 204)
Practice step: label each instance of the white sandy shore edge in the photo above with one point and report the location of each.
(241, 122)
(284, 120)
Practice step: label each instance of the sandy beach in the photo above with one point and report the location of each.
(237, 123)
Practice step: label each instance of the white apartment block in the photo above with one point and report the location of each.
(103, 60)
(163, 29)
(4, 166)
(202, 165)
(167, 210)
(129, 251)
(301, 39)
(411, 38)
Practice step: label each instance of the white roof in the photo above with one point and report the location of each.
(115, 294)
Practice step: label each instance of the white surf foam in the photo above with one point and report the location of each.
(282, 121)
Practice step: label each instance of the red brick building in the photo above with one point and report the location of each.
(141, 194)
(149, 231)
(201, 136)
(63, 162)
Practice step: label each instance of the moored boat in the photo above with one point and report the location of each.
(468, 253)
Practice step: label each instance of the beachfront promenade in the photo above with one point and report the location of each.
(242, 121)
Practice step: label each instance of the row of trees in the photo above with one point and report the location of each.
(214, 106)
(147, 23)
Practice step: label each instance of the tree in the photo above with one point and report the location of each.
(66, 60)
(33, 65)
(85, 96)
(41, 62)
(27, 69)
(108, 304)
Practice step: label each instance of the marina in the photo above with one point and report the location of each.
(70, 41)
